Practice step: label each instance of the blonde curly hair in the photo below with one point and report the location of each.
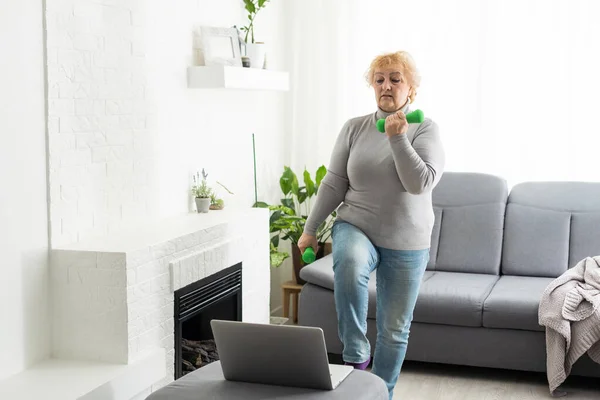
(407, 65)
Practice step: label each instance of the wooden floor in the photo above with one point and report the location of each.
(421, 381)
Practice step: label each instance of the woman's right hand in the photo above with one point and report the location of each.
(306, 241)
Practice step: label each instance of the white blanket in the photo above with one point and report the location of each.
(570, 311)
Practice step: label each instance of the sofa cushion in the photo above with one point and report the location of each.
(513, 303)
(536, 241)
(453, 298)
(550, 226)
(320, 273)
(477, 231)
(585, 236)
(469, 211)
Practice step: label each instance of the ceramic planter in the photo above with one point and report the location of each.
(202, 204)
(256, 53)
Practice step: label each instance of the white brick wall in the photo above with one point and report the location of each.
(125, 131)
(99, 118)
(114, 301)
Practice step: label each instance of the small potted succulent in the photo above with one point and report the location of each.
(216, 203)
(202, 192)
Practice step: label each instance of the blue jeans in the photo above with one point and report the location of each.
(399, 275)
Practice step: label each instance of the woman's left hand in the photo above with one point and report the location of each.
(396, 124)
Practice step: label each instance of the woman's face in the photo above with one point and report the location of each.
(391, 88)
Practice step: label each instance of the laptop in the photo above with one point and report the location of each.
(282, 355)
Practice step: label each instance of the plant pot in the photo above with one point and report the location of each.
(256, 53)
(218, 205)
(324, 249)
(202, 204)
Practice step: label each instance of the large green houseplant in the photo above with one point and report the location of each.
(289, 217)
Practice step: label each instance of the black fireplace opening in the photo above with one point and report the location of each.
(218, 296)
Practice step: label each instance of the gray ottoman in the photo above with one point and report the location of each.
(208, 383)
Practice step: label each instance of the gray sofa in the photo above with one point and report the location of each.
(492, 255)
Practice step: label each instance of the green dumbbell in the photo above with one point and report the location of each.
(414, 117)
(309, 255)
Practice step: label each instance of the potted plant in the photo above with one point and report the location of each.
(202, 192)
(255, 51)
(288, 218)
(215, 202)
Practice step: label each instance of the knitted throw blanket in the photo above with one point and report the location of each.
(570, 311)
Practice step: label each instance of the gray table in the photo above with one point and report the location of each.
(208, 383)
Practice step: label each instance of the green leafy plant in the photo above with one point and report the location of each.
(200, 189)
(253, 7)
(215, 202)
(288, 218)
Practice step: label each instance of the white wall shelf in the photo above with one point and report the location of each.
(226, 77)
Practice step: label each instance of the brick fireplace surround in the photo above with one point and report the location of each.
(113, 301)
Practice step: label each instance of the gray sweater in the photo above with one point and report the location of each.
(383, 184)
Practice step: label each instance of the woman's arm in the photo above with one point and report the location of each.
(419, 165)
(334, 185)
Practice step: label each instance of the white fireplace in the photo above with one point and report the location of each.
(113, 297)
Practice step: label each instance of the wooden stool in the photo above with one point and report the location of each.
(290, 288)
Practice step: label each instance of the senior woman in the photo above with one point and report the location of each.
(382, 184)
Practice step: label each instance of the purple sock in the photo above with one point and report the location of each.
(361, 366)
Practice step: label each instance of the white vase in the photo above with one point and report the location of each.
(256, 52)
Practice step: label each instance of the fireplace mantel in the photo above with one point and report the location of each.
(117, 292)
(160, 234)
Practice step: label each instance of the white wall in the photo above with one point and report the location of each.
(100, 118)
(212, 129)
(126, 133)
(24, 324)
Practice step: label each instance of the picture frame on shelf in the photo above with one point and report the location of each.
(220, 46)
